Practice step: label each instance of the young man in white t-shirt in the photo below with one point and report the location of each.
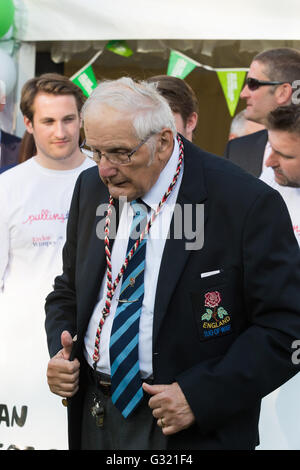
(35, 198)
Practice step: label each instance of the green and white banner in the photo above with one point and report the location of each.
(180, 65)
(232, 81)
(85, 77)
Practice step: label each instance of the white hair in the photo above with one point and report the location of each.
(150, 112)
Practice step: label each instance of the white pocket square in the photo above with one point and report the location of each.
(210, 273)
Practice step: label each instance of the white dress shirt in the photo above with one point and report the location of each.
(154, 251)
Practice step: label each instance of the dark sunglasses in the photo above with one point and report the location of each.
(254, 84)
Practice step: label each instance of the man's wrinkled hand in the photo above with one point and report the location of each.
(170, 407)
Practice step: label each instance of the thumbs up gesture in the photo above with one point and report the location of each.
(62, 374)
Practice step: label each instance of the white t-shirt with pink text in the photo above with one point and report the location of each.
(34, 210)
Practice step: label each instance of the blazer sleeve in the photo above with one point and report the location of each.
(260, 359)
(60, 306)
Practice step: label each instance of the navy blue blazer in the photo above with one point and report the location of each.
(226, 338)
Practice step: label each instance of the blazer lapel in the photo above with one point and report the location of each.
(192, 191)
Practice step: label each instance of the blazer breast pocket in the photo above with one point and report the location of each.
(214, 304)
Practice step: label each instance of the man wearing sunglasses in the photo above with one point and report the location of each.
(268, 85)
(156, 342)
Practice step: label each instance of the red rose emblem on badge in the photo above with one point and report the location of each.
(212, 299)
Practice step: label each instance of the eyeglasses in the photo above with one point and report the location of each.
(254, 84)
(118, 157)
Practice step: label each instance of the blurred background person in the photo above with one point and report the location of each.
(268, 85)
(9, 144)
(182, 101)
(284, 160)
(241, 126)
(280, 411)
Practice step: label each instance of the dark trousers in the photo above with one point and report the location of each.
(137, 432)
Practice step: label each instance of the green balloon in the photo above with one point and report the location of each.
(7, 11)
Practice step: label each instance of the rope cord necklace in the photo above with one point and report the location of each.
(111, 286)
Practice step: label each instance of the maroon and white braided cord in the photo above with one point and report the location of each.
(111, 286)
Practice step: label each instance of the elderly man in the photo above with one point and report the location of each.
(268, 85)
(162, 340)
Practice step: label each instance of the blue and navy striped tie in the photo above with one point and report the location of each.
(126, 382)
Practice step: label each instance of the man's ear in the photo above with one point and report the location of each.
(165, 144)
(191, 122)
(283, 94)
(28, 125)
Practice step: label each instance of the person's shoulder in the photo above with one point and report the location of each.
(90, 173)
(89, 180)
(250, 139)
(225, 178)
(14, 180)
(10, 138)
(16, 171)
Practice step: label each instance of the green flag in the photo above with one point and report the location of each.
(86, 80)
(119, 47)
(85, 77)
(232, 81)
(180, 65)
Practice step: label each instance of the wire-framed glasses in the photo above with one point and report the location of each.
(117, 157)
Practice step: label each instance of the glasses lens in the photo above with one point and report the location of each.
(252, 83)
(118, 158)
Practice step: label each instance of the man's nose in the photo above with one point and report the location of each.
(245, 92)
(106, 168)
(272, 160)
(59, 130)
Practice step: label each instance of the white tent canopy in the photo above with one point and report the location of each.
(218, 33)
(68, 20)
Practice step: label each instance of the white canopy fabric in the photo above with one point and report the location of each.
(68, 20)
